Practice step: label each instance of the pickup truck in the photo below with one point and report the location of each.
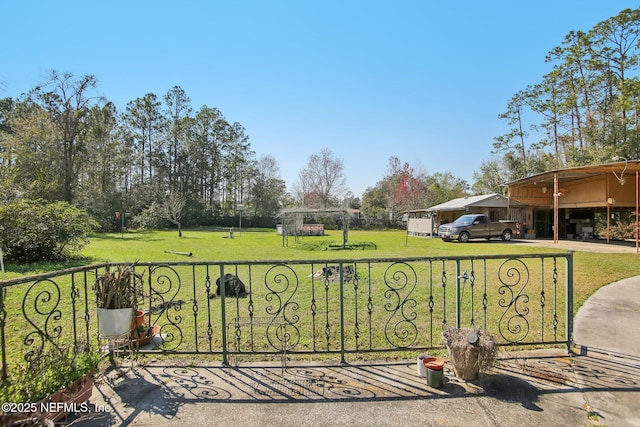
(476, 226)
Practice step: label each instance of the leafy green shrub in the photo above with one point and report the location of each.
(622, 225)
(617, 230)
(47, 374)
(150, 218)
(36, 230)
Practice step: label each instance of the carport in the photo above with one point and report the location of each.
(424, 222)
(611, 187)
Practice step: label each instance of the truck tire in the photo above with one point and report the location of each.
(463, 237)
(506, 235)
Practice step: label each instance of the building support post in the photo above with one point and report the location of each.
(637, 209)
(608, 210)
(556, 195)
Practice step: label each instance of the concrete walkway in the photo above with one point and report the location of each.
(599, 385)
(599, 246)
(607, 328)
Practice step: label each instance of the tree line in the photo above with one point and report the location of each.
(585, 110)
(62, 142)
(160, 162)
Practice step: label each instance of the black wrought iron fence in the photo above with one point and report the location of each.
(336, 307)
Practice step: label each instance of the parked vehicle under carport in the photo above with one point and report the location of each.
(476, 226)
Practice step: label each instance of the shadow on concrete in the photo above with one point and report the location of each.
(161, 391)
(511, 389)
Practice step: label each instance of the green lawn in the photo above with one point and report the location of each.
(268, 245)
(591, 270)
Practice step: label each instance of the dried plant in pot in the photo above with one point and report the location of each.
(471, 351)
(117, 292)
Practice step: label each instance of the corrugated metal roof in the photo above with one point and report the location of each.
(493, 200)
(580, 172)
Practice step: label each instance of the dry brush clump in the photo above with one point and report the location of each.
(471, 351)
(119, 287)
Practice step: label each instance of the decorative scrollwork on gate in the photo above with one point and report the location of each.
(165, 285)
(513, 325)
(40, 307)
(400, 330)
(282, 284)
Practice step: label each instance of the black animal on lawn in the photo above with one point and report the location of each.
(233, 286)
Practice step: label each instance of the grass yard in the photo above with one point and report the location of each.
(591, 270)
(268, 245)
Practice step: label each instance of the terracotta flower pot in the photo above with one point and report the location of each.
(139, 339)
(60, 403)
(72, 396)
(139, 317)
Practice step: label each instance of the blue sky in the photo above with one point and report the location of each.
(420, 80)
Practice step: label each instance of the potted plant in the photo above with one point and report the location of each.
(143, 334)
(117, 291)
(471, 351)
(51, 384)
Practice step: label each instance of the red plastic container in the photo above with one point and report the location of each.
(435, 374)
(433, 363)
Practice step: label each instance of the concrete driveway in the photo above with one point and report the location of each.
(600, 246)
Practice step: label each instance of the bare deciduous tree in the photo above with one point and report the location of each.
(173, 209)
(322, 183)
